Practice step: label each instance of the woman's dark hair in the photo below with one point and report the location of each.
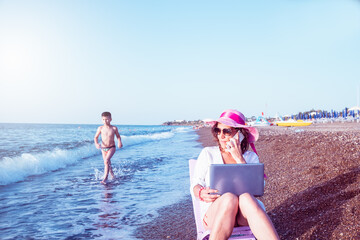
(244, 143)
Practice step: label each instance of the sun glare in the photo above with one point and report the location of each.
(16, 57)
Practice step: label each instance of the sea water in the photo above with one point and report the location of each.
(50, 180)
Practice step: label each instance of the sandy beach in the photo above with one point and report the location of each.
(312, 190)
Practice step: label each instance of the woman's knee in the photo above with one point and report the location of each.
(229, 201)
(248, 202)
(247, 197)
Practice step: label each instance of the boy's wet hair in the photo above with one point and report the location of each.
(106, 114)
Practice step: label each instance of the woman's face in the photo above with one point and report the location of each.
(224, 134)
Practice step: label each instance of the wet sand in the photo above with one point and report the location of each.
(312, 190)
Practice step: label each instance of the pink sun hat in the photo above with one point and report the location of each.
(236, 119)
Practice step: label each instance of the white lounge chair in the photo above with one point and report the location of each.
(238, 232)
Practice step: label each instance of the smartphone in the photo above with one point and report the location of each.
(239, 136)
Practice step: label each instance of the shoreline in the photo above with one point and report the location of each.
(175, 221)
(312, 190)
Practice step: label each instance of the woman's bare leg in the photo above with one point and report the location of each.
(251, 214)
(221, 216)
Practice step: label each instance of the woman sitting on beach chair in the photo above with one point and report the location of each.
(221, 214)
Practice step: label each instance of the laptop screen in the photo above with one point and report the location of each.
(238, 178)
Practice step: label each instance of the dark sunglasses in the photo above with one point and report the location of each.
(225, 131)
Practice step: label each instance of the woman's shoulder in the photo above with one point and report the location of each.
(210, 154)
(211, 149)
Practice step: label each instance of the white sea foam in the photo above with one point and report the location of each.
(14, 169)
(69, 201)
(138, 139)
(182, 129)
(18, 168)
(98, 174)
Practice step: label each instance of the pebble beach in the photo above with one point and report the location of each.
(312, 190)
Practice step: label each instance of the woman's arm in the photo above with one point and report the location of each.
(200, 170)
(197, 191)
(198, 183)
(203, 194)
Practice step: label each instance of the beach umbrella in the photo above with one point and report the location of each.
(355, 108)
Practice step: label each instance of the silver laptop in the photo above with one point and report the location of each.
(238, 178)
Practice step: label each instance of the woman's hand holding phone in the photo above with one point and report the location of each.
(234, 147)
(235, 141)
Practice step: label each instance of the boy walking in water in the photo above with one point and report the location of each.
(108, 133)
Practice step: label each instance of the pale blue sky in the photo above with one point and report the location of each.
(152, 61)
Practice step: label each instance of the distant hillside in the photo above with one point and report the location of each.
(184, 123)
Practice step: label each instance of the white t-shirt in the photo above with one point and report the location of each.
(208, 156)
